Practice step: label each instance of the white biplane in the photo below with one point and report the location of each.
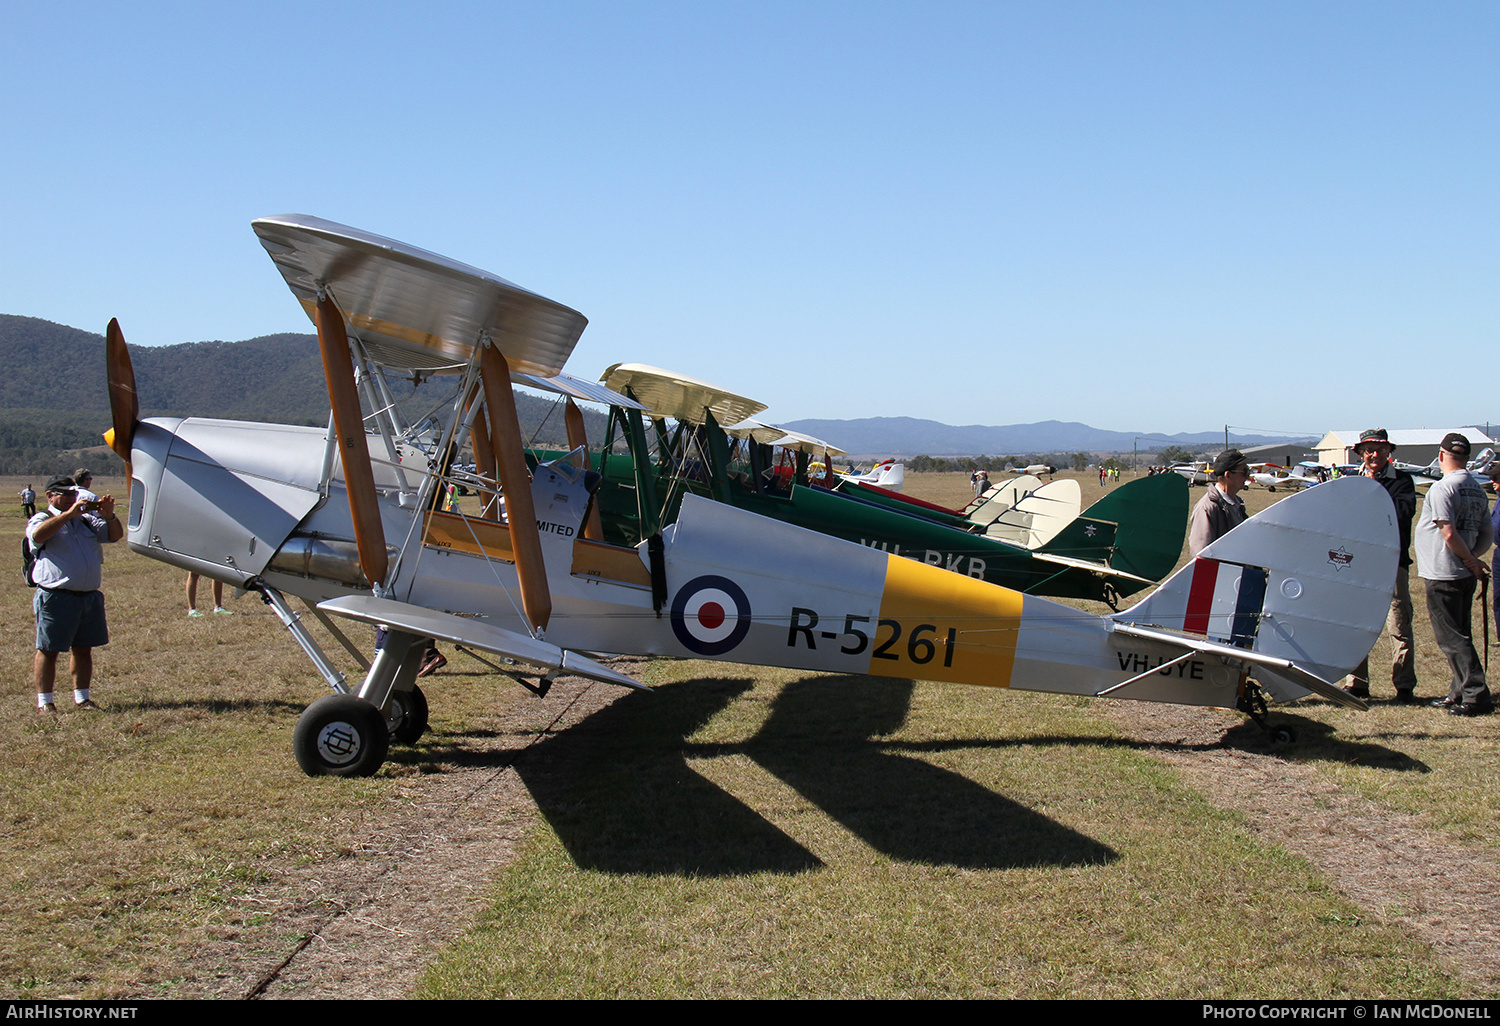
(1294, 597)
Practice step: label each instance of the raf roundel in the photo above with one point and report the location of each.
(710, 615)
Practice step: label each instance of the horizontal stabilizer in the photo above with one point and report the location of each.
(1284, 667)
(1098, 568)
(461, 630)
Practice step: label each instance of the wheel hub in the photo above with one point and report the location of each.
(338, 742)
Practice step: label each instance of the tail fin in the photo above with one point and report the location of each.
(1151, 519)
(1309, 580)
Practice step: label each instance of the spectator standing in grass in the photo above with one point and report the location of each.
(66, 539)
(1374, 450)
(1453, 531)
(192, 597)
(28, 501)
(1221, 510)
(83, 479)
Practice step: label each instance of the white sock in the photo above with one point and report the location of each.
(43, 699)
(80, 694)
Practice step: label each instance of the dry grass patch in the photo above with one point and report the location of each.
(133, 836)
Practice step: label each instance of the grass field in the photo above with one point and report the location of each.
(742, 832)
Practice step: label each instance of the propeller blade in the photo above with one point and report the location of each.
(123, 404)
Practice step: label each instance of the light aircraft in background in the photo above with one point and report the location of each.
(1296, 596)
(887, 474)
(1194, 473)
(1271, 476)
(1425, 476)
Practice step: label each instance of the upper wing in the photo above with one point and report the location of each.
(415, 310)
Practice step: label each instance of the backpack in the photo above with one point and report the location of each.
(28, 561)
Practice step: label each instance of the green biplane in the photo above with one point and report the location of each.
(1127, 541)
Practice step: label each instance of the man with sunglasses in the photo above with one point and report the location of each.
(1374, 450)
(1221, 510)
(66, 540)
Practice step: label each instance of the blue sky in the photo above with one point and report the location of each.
(1142, 216)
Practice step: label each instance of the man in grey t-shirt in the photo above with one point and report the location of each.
(1453, 531)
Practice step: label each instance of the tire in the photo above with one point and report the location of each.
(1283, 736)
(406, 715)
(340, 736)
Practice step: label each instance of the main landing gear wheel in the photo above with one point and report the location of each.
(406, 715)
(1283, 736)
(340, 736)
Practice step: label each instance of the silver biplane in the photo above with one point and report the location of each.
(1295, 597)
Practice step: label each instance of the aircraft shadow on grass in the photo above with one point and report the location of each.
(620, 793)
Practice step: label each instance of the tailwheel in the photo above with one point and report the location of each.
(406, 715)
(1252, 702)
(340, 736)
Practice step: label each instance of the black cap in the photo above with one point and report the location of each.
(61, 484)
(1227, 461)
(1455, 443)
(1373, 435)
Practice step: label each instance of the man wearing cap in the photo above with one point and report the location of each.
(1221, 510)
(1453, 531)
(66, 541)
(1374, 450)
(82, 479)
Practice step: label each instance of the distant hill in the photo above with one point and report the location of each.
(908, 436)
(53, 400)
(54, 404)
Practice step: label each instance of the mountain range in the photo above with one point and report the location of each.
(54, 401)
(908, 436)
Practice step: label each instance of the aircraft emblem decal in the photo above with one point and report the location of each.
(711, 615)
(1340, 557)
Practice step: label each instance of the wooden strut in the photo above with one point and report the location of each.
(593, 527)
(484, 462)
(354, 450)
(515, 481)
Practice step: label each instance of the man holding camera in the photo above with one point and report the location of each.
(66, 541)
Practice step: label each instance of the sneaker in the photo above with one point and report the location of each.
(1442, 703)
(194, 612)
(1357, 690)
(221, 611)
(87, 705)
(433, 665)
(1471, 708)
(1406, 696)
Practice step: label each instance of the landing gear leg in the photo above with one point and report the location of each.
(1252, 702)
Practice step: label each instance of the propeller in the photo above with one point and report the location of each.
(123, 404)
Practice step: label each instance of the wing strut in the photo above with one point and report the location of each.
(354, 451)
(484, 462)
(593, 527)
(515, 481)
